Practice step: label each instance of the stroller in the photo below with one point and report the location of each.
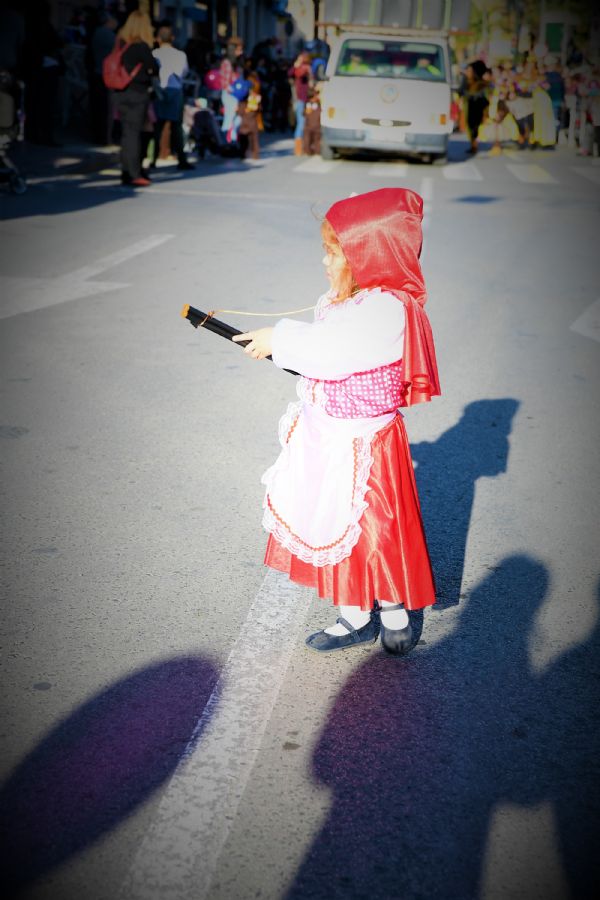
(10, 98)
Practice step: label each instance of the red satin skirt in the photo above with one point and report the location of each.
(390, 561)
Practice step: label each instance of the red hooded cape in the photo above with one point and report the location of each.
(380, 234)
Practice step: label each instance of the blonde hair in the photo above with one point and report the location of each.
(137, 29)
(345, 284)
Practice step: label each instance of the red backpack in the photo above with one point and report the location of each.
(114, 74)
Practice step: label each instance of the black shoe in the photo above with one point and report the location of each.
(327, 643)
(398, 641)
(185, 166)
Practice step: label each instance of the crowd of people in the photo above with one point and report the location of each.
(531, 104)
(220, 99)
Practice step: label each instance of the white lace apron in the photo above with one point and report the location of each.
(315, 491)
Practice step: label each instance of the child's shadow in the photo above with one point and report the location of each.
(447, 469)
(419, 753)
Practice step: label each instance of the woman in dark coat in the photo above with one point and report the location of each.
(132, 102)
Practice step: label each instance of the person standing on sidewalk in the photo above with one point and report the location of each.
(168, 105)
(132, 102)
(301, 73)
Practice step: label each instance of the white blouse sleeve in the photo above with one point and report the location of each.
(354, 337)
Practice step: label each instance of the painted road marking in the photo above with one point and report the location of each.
(588, 323)
(119, 256)
(314, 165)
(179, 854)
(531, 174)
(388, 170)
(591, 174)
(169, 191)
(24, 295)
(49, 179)
(465, 171)
(426, 189)
(516, 155)
(426, 192)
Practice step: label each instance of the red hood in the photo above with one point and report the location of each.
(380, 233)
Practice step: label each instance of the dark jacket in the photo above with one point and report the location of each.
(140, 53)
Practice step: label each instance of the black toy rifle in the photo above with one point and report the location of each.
(201, 319)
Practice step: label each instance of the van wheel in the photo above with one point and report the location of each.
(328, 152)
(427, 158)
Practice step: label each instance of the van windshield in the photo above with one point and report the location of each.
(392, 59)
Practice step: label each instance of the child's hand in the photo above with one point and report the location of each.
(260, 342)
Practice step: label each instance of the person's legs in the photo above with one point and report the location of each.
(299, 130)
(132, 110)
(243, 141)
(177, 145)
(354, 627)
(354, 615)
(158, 130)
(307, 141)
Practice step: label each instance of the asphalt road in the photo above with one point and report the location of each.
(165, 733)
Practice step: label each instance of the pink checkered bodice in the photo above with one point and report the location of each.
(361, 395)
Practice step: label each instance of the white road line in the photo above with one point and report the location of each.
(48, 179)
(179, 854)
(588, 323)
(24, 295)
(314, 165)
(531, 174)
(465, 171)
(119, 256)
(170, 191)
(426, 192)
(591, 174)
(388, 170)
(426, 189)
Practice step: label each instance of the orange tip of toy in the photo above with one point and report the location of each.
(185, 310)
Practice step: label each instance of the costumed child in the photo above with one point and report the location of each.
(341, 504)
(312, 124)
(249, 111)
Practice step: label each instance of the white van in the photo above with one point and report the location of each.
(387, 92)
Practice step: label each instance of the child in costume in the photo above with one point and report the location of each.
(341, 504)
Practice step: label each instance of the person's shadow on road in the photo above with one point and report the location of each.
(419, 751)
(98, 765)
(447, 471)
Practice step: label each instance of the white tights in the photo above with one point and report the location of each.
(395, 619)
